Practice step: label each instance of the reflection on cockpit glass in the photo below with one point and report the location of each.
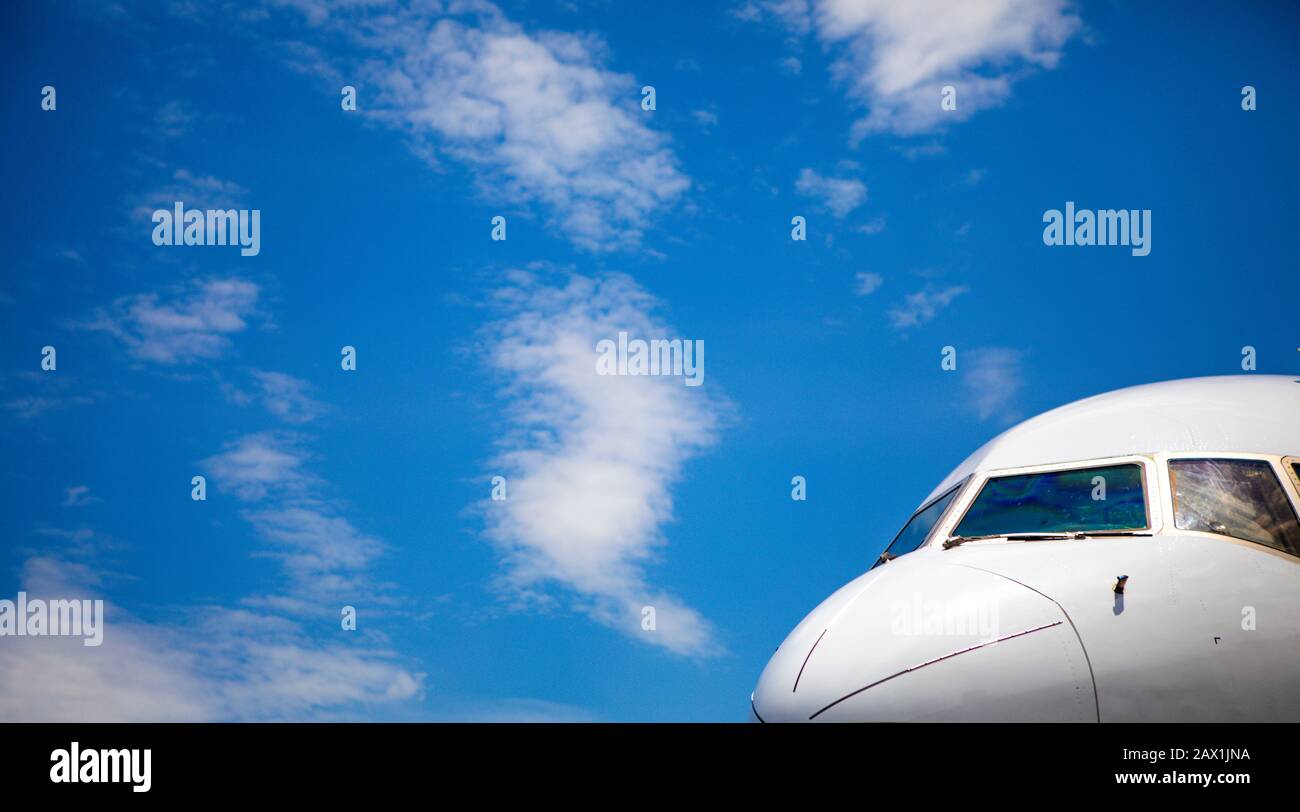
(1085, 499)
(1238, 498)
(918, 527)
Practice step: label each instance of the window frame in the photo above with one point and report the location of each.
(1152, 487)
(1282, 471)
(1289, 468)
(926, 505)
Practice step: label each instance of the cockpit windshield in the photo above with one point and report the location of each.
(918, 528)
(1238, 498)
(1098, 499)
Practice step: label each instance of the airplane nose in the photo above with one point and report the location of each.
(919, 639)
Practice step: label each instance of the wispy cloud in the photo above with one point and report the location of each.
(707, 119)
(29, 407)
(514, 709)
(837, 195)
(992, 377)
(795, 14)
(173, 120)
(257, 463)
(922, 306)
(218, 665)
(196, 191)
(535, 113)
(184, 325)
(78, 496)
(895, 57)
(287, 397)
(44, 392)
(590, 460)
(914, 151)
(250, 662)
(324, 554)
(865, 283)
(260, 660)
(871, 227)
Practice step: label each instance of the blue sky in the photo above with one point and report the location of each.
(371, 488)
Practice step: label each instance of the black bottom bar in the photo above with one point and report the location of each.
(550, 762)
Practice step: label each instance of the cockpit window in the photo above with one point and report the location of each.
(918, 528)
(1238, 498)
(1103, 498)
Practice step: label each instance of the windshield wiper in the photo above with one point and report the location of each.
(1067, 536)
(955, 540)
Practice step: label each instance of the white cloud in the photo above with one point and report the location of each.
(874, 226)
(220, 665)
(914, 152)
(515, 709)
(794, 14)
(895, 57)
(324, 555)
(173, 119)
(866, 283)
(78, 496)
(590, 460)
(189, 325)
(838, 195)
(317, 12)
(747, 12)
(707, 119)
(536, 114)
(287, 397)
(46, 394)
(922, 306)
(255, 464)
(992, 377)
(195, 191)
(29, 407)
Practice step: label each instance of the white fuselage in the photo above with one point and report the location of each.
(1204, 627)
(1204, 631)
